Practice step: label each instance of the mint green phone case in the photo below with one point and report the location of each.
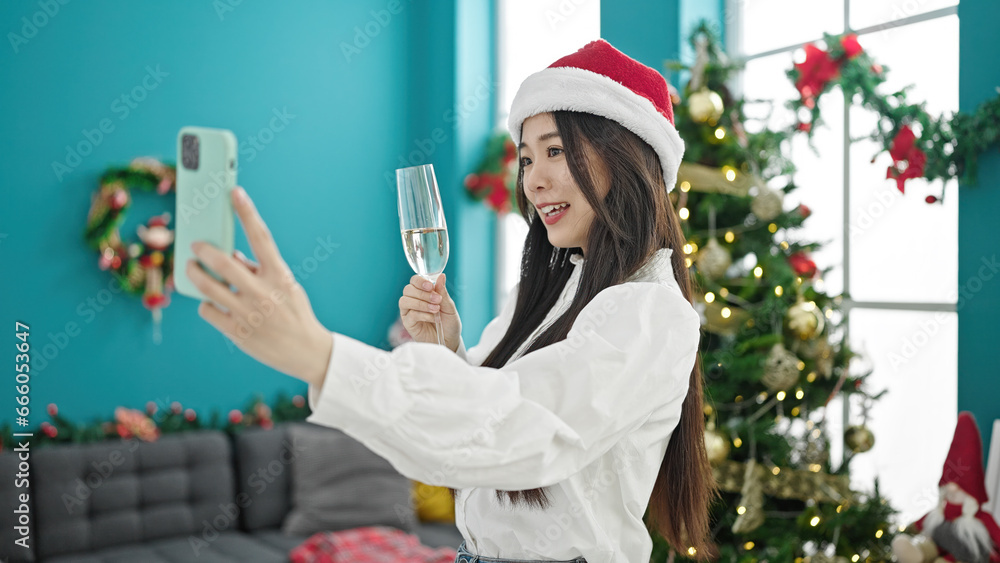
(204, 206)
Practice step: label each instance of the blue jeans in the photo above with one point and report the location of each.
(465, 557)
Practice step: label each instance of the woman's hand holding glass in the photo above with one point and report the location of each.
(417, 306)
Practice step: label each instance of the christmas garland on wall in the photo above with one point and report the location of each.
(920, 146)
(146, 266)
(158, 419)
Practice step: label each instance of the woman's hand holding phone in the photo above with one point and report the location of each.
(268, 316)
(418, 305)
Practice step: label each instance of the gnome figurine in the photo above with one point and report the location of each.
(157, 238)
(957, 529)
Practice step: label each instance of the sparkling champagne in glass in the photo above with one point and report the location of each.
(421, 222)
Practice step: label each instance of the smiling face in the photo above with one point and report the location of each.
(549, 185)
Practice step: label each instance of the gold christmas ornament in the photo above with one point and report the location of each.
(717, 446)
(859, 438)
(713, 260)
(781, 369)
(723, 318)
(804, 319)
(816, 451)
(751, 501)
(705, 106)
(811, 348)
(767, 204)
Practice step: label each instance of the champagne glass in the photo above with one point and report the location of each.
(421, 222)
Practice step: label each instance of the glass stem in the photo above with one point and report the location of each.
(439, 328)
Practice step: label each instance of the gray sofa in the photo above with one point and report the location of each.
(194, 496)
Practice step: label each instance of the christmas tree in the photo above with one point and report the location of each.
(773, 351)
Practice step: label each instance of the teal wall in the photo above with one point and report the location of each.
(361, 87)
(978, 242)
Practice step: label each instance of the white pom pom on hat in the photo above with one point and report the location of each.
(601, 80)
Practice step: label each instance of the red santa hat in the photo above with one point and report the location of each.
(964, 464)
(159, 220)
(601, 80)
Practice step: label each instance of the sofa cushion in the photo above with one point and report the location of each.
(96, 496)
(338, 483)
(279, 540)
(264, 475)
(229, 546)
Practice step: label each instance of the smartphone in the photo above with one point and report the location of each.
(206, 174)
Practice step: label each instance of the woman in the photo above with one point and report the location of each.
(581, 405)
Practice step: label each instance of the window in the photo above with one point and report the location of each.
(894, 255)
(532, 36)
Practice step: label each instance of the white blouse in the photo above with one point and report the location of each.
(588, 418)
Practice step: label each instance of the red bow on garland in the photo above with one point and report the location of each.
(819, 68)
(907, 159)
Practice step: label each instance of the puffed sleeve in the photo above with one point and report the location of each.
(492, 334)
(536, 421)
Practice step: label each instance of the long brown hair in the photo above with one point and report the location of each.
(632, 222)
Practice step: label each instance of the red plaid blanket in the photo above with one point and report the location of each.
(369, 544)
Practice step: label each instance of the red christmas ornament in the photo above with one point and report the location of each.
(472, 181)
(805, 126)
(802, 264)
(804, 211)
(119, 198)
(190, 415)
(235, 416)
(176, 407)
(930, 199)
(907, 159)
(49, 430)
(299, 401)
(52, 409)
(877, 68)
